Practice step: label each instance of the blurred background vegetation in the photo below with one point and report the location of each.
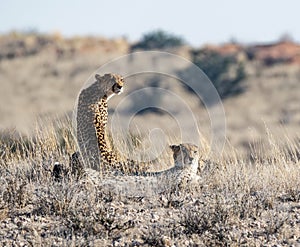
(41, 76)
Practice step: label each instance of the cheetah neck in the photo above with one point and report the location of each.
(109, 97)
(109, 158)
(100, 123)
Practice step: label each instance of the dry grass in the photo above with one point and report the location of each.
(252, 200)
(236, 202)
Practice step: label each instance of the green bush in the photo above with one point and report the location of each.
(225, 72)
(158, 39)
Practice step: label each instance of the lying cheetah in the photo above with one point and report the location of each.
(182, 174)
(186, 161)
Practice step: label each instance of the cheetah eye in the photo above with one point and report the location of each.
(195, 152)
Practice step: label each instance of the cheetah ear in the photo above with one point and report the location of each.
(98, 77)
(174, 148)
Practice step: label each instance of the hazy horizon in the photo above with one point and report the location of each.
(198, 22)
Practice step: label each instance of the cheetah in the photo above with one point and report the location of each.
(102, 158)
(101, 91)
(181, 175)
(186, 161)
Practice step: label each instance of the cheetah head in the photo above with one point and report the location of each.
(113, 83)
(186, 155)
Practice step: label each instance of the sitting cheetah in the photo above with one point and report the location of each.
(182, 174)
(99, 91)
(92, 117)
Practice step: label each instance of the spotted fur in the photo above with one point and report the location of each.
(182, 175)
(105, 86)
(109, 158)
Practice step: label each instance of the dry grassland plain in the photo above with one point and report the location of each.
(247, 196)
